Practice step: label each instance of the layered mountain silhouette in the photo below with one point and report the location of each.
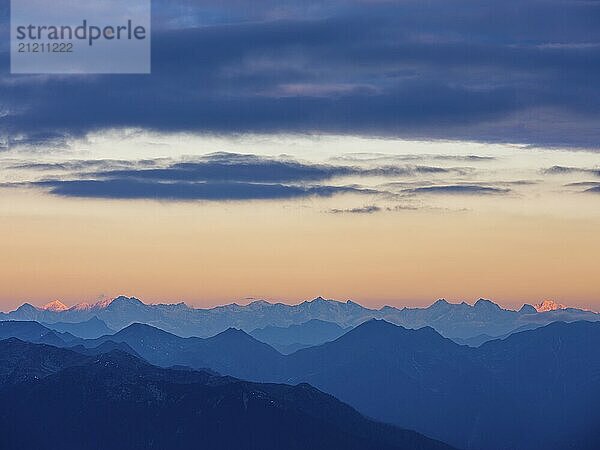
(58, 398)
(231, 352)
(535, 389)
(295, 337)
(37, 333)
(539, 387)
(89, 329)
(461, 322)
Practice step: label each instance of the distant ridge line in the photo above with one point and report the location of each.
(465, 323)
(58, 306)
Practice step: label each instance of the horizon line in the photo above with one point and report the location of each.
(103, 303)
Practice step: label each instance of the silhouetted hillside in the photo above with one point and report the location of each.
(540, 386)
(117, 401)
(89, 329)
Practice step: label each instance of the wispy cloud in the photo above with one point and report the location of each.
(460, 189)
(564, 170)
(252, 168)
(84, 165)
(379, 157)
(370, 209)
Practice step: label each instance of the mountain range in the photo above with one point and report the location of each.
(60, 399)
(534, 389)
(89, 329)
(482, 321)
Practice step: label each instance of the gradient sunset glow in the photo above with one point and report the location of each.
(395, 239)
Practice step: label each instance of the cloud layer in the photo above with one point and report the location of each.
(222, 176)
(519, 71)
(391, 183)
(131, 189)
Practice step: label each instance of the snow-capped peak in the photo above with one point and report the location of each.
(55, 306)
(100, 304)
(548, 305)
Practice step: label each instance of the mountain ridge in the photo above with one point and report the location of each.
(415, 379)
(454, 320)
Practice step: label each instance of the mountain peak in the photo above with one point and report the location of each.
(352, 304)
(55, 306)
(138, 326)
(123, 300)
(259, 304)
(102, 303)
(548, 305)
(527, 309)
(26, 307)
(231, 331)
(484, 303)
(440, 303)
(138, 329)
(377, 324)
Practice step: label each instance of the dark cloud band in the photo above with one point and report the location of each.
(128, 189)
(512, 71)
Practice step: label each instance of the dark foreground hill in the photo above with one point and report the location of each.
(535, 389)
(55, 398)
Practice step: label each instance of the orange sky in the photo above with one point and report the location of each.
(206, 254)
(534, 245)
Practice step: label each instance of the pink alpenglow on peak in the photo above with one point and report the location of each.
(56, 305)
(100, 304)
(548, 305)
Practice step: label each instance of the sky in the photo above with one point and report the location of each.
(384, 152)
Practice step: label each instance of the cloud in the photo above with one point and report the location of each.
(459, 189)
(382, 157)
(583, 184)
(83, 165)
(592, 187)
(33, 140)
(223, 176)
(370, 209)
(231, 167)
(131, 189)
(260, 169)
(563, 170)
(236, 167)
(217, 176)
(233, 176)
(513, 71)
